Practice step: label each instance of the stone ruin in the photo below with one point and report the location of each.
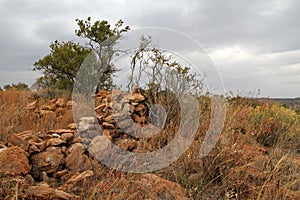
(57, 162)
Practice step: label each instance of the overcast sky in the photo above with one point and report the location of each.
(255, 44)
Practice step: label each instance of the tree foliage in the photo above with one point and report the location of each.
(17, 87)
(61, 65)
(101, 39)
(165, 79)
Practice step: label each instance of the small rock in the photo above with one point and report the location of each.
(47, 161)
(124, 124)
(77, 181)
(67, 136)
(108, 125)
(70, 104)
(72, 126)
(109, 119)
(56, 135)
(50, 107)
(60, 131)
(64, 149)
(40, 145)
(15, 140)
(60, 102)
(127, 144)
(100, 147)
(61, 173)
(22, 139)
(44, 192)
(55, 142)
(33, 149)
(44, 177)
(32, 105)
(136, 98)
(29, 179)
(76, 160)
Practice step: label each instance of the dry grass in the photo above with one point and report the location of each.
(15, 117)
(256, 157)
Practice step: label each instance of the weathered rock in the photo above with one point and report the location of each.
(85, 141)
(60, 131)
(78, 183)
(23, 139)
(121, 116)
(52, 101)
(85, 123)
(67, 136)
(100, 108)
(40, 145)
(50, 107)
(47, 161)
(100, 147)
(124, 124)
(33, 149)
(127, 144)
(55, 142)
(107, 133)
(136, 98)
(109, 119)
(60, 102)
(55, 135)
(160, 188)
(141, 109)
(16, 140)
(138, 119)
(93, 133)
(2, 145)
(61, 173)
(29, 179)
(31, 106)
(72, 126)
(44, 192)
(108, 125)
(76, 160)
(60, 111)
(14, 161)
(70, 104)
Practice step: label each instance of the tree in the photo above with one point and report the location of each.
(61, 65)
(17, 87)
(101, 39)
(165, 78)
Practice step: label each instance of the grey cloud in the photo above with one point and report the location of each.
(267, 29)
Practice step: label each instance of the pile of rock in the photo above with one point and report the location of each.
(55, 159)
(58, 164)
(55, 108)
(121, 117)
(62, 153)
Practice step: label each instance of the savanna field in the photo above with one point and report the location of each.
(257, 155)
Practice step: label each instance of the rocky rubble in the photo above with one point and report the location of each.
(57, 164)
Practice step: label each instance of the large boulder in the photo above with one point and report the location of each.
(13, 161)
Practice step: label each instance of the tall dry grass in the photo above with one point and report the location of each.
(15, 117)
